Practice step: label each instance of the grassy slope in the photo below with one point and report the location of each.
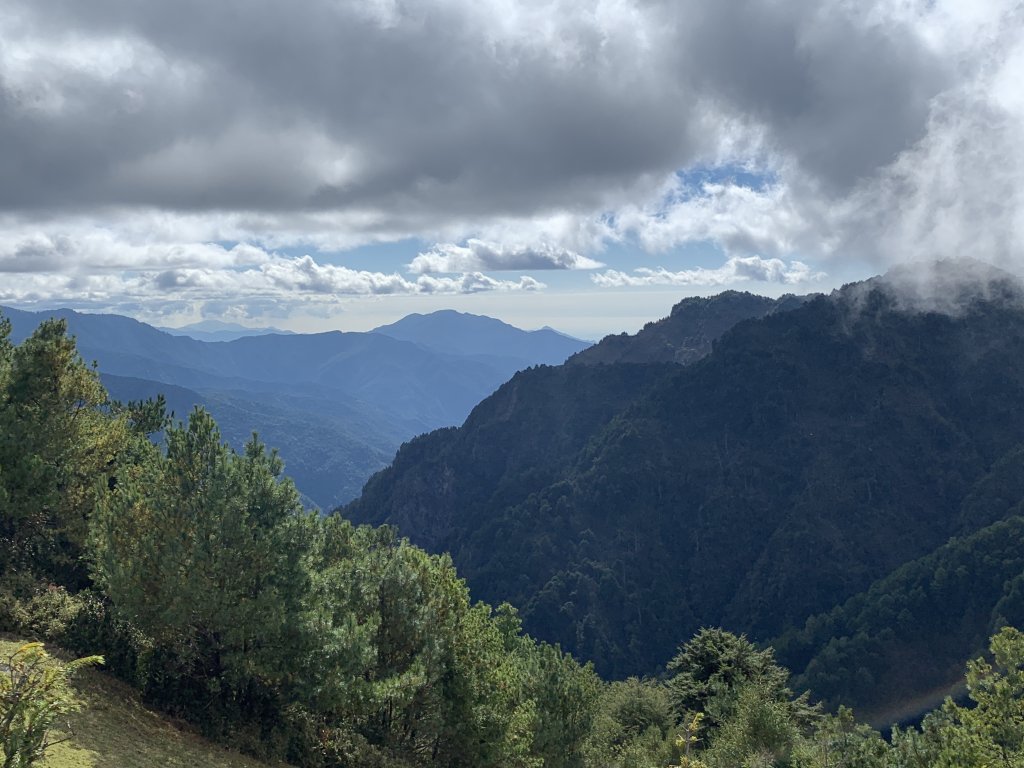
(114, 730)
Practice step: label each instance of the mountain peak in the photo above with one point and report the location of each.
(453, 332)
(688, 333)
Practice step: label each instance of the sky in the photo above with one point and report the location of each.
(583, 164)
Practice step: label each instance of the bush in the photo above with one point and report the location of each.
(34, 694)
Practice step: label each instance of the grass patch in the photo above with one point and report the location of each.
(114, 730)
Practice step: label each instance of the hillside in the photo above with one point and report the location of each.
(518, 440)
(329, 446)
(337, 404)
(811, 453)
(114, 730)
(910, 631)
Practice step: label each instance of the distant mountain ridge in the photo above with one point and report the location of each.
(459, 333)
(810, 453)
(338, 404)
(688, 333)
(218, 330)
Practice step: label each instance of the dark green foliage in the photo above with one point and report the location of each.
(710, 670)
(811, 453)
(497, 458)
(202, 549)
(910, 632)
(55, 446)
(688, 333)
(407, 669)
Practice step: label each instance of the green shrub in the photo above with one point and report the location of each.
(34, 694)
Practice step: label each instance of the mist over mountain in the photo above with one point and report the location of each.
(337, 404)
(810, 453)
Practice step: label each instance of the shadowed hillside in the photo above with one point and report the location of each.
(811, 453)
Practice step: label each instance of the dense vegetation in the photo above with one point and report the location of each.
(103, 724)
(813, 452)
(688, 333)
(194, 570)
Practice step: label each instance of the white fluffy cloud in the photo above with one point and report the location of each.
(737, 218)
(96, 266)
(480, 255)
(735, 270)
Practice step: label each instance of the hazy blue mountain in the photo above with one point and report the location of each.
(328, 448)
(218, 330)
(460, 333)
(337, 404)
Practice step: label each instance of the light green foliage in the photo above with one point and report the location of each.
(566, 696)
(990, 733)
(635, 725)
(405, 668)
(839, 741)
(56, 450)
(34, 694)
(44, 615)
(760, 731)
(203, 549)
(688, 742)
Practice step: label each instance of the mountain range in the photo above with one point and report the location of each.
(337, 405)
(817, 471)
(218, 330)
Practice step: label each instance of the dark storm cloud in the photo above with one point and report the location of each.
(840, 93)
(438, 109)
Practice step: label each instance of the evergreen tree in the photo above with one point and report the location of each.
(989, 733)
(203, 549)
(57, 448)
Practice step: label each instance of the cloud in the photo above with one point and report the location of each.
(138, 137)
(735, 270)
(738, 219)
(959, 192)
(97, 250)
(440, 109)
(244, 271)
(489, 256)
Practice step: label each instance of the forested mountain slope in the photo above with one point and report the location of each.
(529, 431)
(909, 631)
(811, 453)
(331, 444)
(688, 333)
